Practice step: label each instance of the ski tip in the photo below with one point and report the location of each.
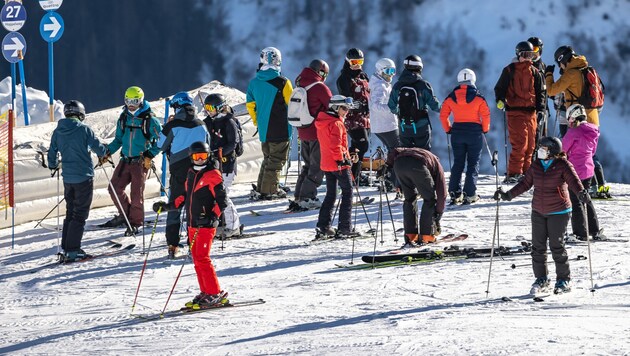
(539, 299)
(129, 247)
(506, 299)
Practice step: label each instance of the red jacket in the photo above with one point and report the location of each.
(333, 141)
(551, 194)
(467, 105)
(318, 97)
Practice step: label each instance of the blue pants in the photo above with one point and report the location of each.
(467, 143)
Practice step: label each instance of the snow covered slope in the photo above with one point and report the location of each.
(313, 307)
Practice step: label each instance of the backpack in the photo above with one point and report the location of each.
(521, 92)
(298, 113)
(145, 127)
(409, 107)
(592, 96)
(239, 137)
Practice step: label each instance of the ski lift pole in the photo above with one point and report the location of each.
(167, 102)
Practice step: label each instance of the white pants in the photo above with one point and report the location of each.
(232, 220)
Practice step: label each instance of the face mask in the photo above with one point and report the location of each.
(542, 153)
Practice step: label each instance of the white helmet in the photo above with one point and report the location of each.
(466, 75)
(271, 56)
(576, 112)
(385, 66)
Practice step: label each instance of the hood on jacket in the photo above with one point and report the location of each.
(590, 131)
(308, 77)
(577, 62)
(68, 126)
(186, 113)
(267, 74)
(408, 76)
(145, 107)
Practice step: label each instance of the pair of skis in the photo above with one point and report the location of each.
(95, 256)
(185, 310)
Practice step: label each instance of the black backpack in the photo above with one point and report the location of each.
(409, 110)
(239, 137)
(144, 127)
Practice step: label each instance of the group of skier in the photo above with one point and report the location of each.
(202, 153)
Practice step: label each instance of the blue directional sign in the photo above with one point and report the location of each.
(12, 43)
(50, 5)
(13, 16)
(51, 27)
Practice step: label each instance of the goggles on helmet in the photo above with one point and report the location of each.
(199, 156)
(528, 54)
(135, 102)
(536, 49)
(211, 108)
(356, 62)
(389, 71)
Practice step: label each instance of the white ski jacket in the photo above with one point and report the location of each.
(381, 118)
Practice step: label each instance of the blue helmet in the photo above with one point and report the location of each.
(180, 99)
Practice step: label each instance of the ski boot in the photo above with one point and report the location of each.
(350, 234)
(456, 198)
(562, 286)
(117, 221)
(131, 231)
(211, 301)
(324, 233)
(74, 256)
(540, 286)
(469, 200)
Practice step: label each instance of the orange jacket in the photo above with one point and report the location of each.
(333, 141)
(467, 105)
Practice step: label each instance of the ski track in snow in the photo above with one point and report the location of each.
(312, 306)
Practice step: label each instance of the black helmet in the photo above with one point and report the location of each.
(553, 144)
(523, 46)
(354, 53)
(74, 108)
(216, 100)
(320, 67)
(536, 42)
(198, 147)
(563, 54)
(413, 63)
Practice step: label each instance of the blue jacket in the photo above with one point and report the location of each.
(267, 101)
(181, 132)
(74, 140)
(129, 133)
(415, 80)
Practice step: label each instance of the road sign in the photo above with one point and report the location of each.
(11, 44)
(50, 5)
(13, 16)
(51, 27)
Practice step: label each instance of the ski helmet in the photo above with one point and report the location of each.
(563, 54)
(553, 144)
(180, 99)
(214, 101)
(354, 53)
(466, 75)
(134, 96)
(537, 43)
(525, 49)
(413, 63)
(576, 112)
(337, 101)
(271, 56)
(386, 67)
(320, 67)
(74, 108)
(199, 150)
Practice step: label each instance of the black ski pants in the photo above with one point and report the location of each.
(550, 228)
(311, 176)
(345, 208)
(415, 180)
(78, 198)
(177, 180)
(583, 220)
(359, 143)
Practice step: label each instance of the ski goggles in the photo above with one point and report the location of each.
(536, 49)
(199, 156)
(528, 54)
(135, 102)
(355, 62)
(347, 103)
(389, 71)
(211, 108)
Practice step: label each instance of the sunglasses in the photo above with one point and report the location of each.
(199, 156)
(356, 62)
(135, 102)
(389, 71)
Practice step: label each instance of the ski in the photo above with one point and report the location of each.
(245, 235)
(364, 201)
(452, 251)
(321, 240)
(184, 310)
(447, 238)
(92, 257)
(402, 262)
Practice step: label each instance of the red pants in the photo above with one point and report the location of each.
(522, 131)
(206, 275)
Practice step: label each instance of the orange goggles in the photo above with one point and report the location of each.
(211, 108)
(356, 62)
(199, 156)
(536, 49)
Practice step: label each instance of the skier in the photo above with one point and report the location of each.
(471, 120)
(410, 99)
(224, 132)
(550, 175)
(542, 117)
(182, 129)
(580, 143)
(74, 140)
(267, 99)
(520, 91)
(571, 83)
(204, 200)
(137, 132)
(336, 163)
(420, 175)
(353, 83)
(311, 176)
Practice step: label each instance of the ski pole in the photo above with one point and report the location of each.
(505, 138)
(495, 233)
(162, 188)
(122, 210)
(448, 143)
(588, 243)
(58, 203)
(192, 243)
(146, 258)
(578, 258)
(363, 206)
(51, 210)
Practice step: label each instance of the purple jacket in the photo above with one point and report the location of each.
(580, 144)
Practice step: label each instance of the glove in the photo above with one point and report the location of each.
(550, 69)
(448, 132)
(103, 160)
(146, 163)
(500, 105)
(584, 197)
(161, 206)
(207, 220)
(344, 163)
(354, 157)
(501, 195)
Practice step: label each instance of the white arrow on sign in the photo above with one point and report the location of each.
(16, 46)
(54, 27)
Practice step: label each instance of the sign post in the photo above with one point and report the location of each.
(51, 29)
(13, 17)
